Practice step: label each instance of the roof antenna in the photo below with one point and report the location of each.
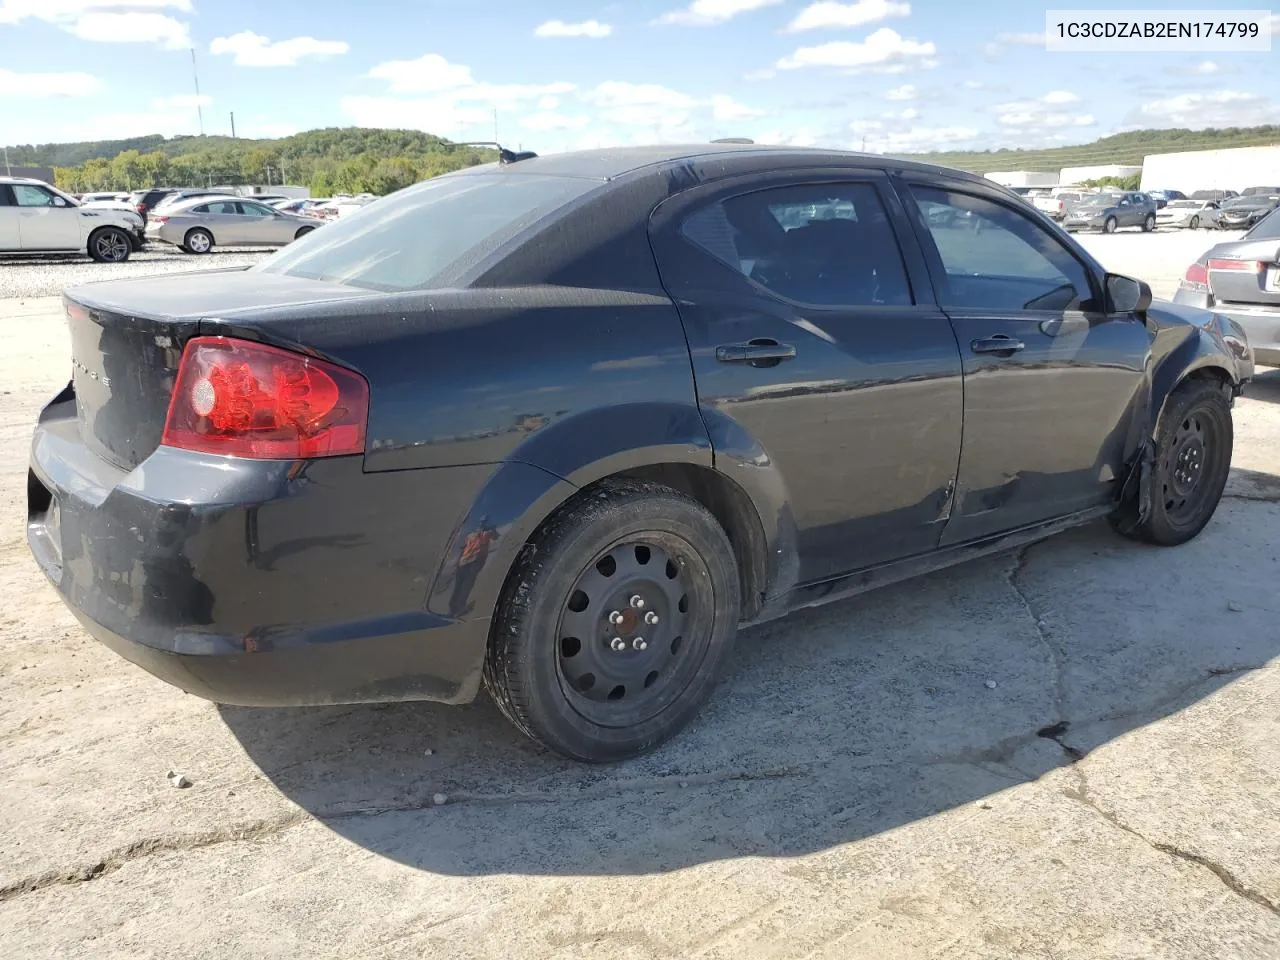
(505, 156)
(746, 140)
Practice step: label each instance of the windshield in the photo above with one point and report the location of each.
(407, 241)
(1246, 202)
(1184, 204)
(1101, 201)
(1268, 228)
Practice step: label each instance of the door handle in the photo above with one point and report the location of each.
(757, 353)
(999, 344)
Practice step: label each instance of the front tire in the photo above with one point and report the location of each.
(198, 241)
(1195, 223)
(1192, 459)
(1110, 225)
(110, 245)
(302, 232)
(614, 623)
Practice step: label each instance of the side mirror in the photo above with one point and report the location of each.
(59, 202)
(1127, 295)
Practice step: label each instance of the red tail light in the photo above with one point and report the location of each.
(245, 399)
(155, 219)
(1242, 266)
(1197, 275)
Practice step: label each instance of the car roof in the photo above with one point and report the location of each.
(614, 162)
(195, 201)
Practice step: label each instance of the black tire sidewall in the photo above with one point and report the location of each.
(302, 232)
(1109, 225)
(1197, 395)
(1195, 223)
(97, 234)
(521, 671)
(1148, 224)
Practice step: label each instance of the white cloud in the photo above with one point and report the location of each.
(1223, 108)
(973, 84)
(439, 115)
(1053, 98)
(34, 85)
(617, 93)
(804, 137)
(182, 101)
(701, 13)
(547, 120)
(827, 15)
(919, 139)
(1205, 68)
(548, 103)
(1022, 39)
(765, 74)
(726, 109)
(1059, 96)
(106, 21)
(254, 50)
(587, 28)
(1039, 120)
(882, 52)
(430, 73)
(907, 91)
(132, 27)
(911, 113)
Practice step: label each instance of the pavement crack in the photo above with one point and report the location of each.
(1014, 577)
(1082, 794)
(150, 846)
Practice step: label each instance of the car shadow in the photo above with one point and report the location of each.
(1265, 385)
(832, 725)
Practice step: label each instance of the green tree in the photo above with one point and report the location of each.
(127, 169)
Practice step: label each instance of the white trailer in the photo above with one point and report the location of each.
(1234, 169)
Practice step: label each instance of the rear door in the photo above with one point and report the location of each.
(1052, 384)
(9, 220)
(814, 336)
(47, 221)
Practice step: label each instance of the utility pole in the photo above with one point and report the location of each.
(233, 124)
(7, 170)
(495, 125)
(196, 77)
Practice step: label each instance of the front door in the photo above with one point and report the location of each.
(46, 221)
(813, 333)
(262, 226)
(1053, 386)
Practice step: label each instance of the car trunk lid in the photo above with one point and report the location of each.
(1247, 273)
(127, 339)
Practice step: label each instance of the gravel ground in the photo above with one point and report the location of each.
(49, 276)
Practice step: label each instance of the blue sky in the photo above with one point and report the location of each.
(893, 75)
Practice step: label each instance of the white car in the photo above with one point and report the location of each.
(1187, 213)
(38, 218)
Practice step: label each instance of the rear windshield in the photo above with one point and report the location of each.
(409, 240)
(1268, 228)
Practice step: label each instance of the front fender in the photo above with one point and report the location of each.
(1187, 341)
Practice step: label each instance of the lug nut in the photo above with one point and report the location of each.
(615, 617)
(651, 618)
(617, 644)
(638, 602)
(639, 644)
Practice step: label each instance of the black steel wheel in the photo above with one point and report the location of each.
(1193, 457)
(614, 623)
(109, 245)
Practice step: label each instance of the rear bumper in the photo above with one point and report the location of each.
(1260, 324)
(262, 583)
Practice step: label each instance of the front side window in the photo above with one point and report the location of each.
(829, 244)
(994, 258)
(32, 196)
(410, 239)
(254, 210)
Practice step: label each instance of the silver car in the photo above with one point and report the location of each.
(201, 223)
(1192, 214)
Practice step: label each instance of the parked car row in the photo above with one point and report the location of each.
(1108, 211)
(199, 221)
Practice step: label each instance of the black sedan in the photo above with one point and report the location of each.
(1241, 279)
(561, 425)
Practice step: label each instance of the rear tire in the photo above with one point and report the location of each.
(1192, 458)
(302, 232)
(198, 240)
(614, 622)
(1110, 225)
(110, 245)
(1149, 224)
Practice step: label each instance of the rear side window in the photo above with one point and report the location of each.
(995, 258)
(222, 206)
(410, 239)
(829, 244)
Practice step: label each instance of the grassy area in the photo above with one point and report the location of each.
(1123, 148)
